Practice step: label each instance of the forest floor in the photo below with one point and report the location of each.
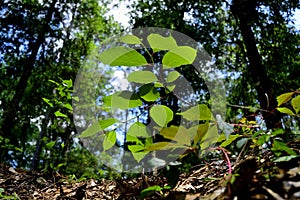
(253, 177)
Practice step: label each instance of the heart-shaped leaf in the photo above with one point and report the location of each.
(130, 39)
(161, 114)
(142, 77)
(109, 140)
(158, 42)
(177, 57)
(122, 56)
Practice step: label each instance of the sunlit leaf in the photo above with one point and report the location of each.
(149, 93)
(158, 42)
(130, 39)
(171, 87)
(283, 98)
(59, 114)
(142, 77)
(122, 56)
(210, 138)
(138, 130)
(139, 156)
(161, 114)
(178, 134)
(150, 190)
(106, 123)
(138, 152)
(123, 100)
(199, 131)
(68, 83)
(198, 112)
(172, 76)
(136, 148)
(286, 111)
(91, 130)
(229, 140)
(109, 140)
(296, 103)
(48, 102)
(163, 146)
(51, 144)
(177, 57)
(68, 106)
(130, 138)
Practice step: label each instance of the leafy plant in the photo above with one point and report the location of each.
(152, 89)
(8, 197)
(153, 189)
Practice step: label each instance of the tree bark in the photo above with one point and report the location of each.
(246, 14)
(10, 114)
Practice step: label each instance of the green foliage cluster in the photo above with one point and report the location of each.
(42, 41)
(6, 197)
(139, 135)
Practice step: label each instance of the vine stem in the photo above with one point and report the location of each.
(226, 158)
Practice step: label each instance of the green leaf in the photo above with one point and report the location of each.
(285, 158)
(149, 93)
(163, 146)
(210, 138)
(142, 77)
(130, 138)
(68, 83)
(109, 140)
(283, 98)
(136, 148)
(122, 56)
(138, 130)
(138, 152)
(106, 123)
(51, 144)
(170, 88)
(230, 139)
(59, 114)
(198, 112)
(150, 190)
(91, 130)
(286, 111)
(97, 127)
(183, 55)
(277, 132)
(68, 106)
(48, 102)
(178, 134)
(172, 76)
(161, 114)
(240, 143)
(296, 103)
(123, 100)
(130, 39)
(199, 131)
(282, 146)
(226, 128)
(139, 155)
(158, 42)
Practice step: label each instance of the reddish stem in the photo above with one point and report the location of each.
(226, 158)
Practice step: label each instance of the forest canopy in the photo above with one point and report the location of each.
(254, 45)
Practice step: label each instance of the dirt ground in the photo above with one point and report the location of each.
(253, 177)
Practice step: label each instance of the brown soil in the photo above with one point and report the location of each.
(252, 178)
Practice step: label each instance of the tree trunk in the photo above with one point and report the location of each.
(246, 13)
(10, 114)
